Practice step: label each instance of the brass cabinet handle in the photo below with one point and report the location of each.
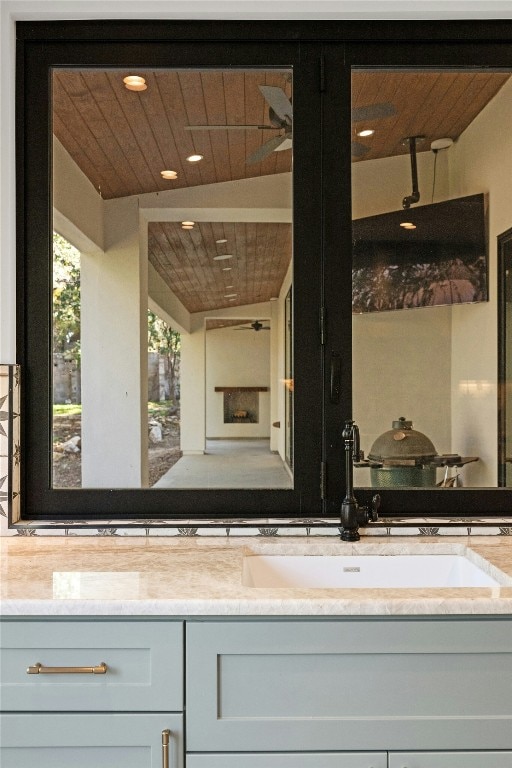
(165, 747)
(40, 669)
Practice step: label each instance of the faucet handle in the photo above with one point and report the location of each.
(373, 512)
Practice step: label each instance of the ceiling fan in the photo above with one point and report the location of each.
(280, 115)
(255, 326)
(366, 114)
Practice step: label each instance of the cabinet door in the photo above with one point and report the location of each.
(291, 760)
(450, 759)
(144, 662)
(349, 685)
(90, 741)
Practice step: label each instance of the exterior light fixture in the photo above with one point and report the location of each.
(194, 158)
(223, 240)
(223, 256)
(134, 83)
(227, 269)
(438, 144)
(365, 132)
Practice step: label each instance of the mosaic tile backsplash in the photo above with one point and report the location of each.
(10, 503)
(9, 445)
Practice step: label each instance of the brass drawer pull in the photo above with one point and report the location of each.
(165, 747)
(39, 669)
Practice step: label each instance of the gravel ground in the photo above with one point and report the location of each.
(67, 467)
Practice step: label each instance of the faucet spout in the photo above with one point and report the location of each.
(352, 514)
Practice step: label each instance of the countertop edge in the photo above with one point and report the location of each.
(336, 607)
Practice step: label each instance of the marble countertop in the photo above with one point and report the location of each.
(185, 576)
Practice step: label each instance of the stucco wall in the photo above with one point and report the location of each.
(401, 359)
(236, 359)
(482, 162)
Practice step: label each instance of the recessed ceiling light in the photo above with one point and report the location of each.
(231, 299)
(134, 83)
(229, 286)
(230, 295)
(365, 132)
(187, 223)
(227, 269)
(187, 226)
(223, 240)
(194, 158)
(223, 256)
(406, 224)
(274, 298)
(168, 174)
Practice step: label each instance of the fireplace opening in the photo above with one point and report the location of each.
(241, 407)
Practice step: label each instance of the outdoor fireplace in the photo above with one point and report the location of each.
(241, 404)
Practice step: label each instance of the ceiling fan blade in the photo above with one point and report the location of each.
(229, 127)
(286, 144)
(373, 112)
(266, 149)
(359, 150)
(277, 99)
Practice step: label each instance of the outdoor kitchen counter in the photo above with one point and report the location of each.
(183, 576)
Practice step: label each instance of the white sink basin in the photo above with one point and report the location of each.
(401, 571)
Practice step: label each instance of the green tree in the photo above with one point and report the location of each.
(66, 299)
(166, 342)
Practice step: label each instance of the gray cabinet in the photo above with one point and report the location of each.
(90, 741)
(291, 760)
(488, 759)
(310, 693)
(55, 675)
(144, 663)
(349, 685)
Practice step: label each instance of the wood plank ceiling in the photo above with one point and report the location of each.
(122, 139)
(185, 259)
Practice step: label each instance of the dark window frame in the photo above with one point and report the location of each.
(326, 51)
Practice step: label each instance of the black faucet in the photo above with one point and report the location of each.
(353, 515)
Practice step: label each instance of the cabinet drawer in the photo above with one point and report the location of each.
(95, 741)
(291, 760)
(450, 760)
(144, 666)
(349, 685)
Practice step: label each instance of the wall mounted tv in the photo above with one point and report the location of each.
(440, 259)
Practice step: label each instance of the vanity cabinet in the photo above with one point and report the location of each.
(368, 692)
(90, 741)
(353, 685)
(488, 759)
(291, 760)
(62, 707)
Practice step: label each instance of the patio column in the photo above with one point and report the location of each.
(114, 353)
(192, 392)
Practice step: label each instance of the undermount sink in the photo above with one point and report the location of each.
(378, 571)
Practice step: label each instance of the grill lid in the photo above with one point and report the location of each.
(402, 445)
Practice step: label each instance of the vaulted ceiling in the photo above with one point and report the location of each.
(123, 139)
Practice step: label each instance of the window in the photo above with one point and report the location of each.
(213, 247)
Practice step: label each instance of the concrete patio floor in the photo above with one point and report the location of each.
(229, 464)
